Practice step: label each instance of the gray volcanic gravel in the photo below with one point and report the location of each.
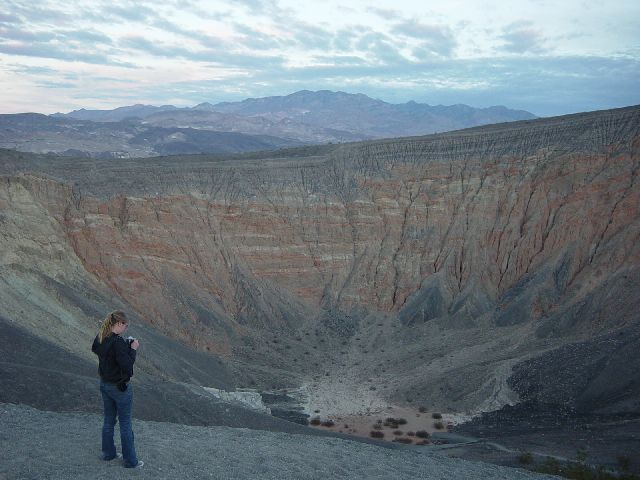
(48, 445)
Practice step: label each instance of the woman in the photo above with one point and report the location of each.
(117, 357)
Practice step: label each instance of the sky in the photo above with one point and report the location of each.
(546, 57)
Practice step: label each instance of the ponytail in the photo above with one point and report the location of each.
(109, 322)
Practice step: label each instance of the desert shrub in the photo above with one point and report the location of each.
(624, 462)
(579, 471)
(436, 416)
(525, 458)
(397, 432)
(403, 440)
(423, 442)
(401, 421)
(422, 409)
(411, 434)
(376, 434)
(377, 426)
(438, 425)
(422, 434)
(391, 422)
(550, 465)
(314, 421)
(581, 455)
(328, 423)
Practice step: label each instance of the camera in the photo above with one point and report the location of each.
(129, 340)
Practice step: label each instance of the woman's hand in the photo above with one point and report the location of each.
(135, 344)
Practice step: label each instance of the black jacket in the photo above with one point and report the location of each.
(116, 358)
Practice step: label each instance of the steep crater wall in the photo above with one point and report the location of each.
(430, 264)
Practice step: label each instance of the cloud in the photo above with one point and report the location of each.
(264, 7)
(85, 36)
(379, 47)
(344, 39)
(11, 34)
(62, 44)
(31, 70)
(521, 37)
(351, 60)
(435, 39)
(37, 13)
(239, 48)
(309, 36)
(544, 86)
(254, 39)
(54, 84)
(168, 26)
(132, 13)
(223, 55)
(140, 43)
(386, 13)
(62, 53)
(9, 18)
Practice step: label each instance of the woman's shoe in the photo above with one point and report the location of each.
(107, 459)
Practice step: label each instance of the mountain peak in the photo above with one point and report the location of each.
(204, 106)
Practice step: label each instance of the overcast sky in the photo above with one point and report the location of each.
(547, 57)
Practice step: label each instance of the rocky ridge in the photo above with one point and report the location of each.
(252, 125)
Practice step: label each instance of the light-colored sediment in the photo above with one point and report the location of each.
(355, 409)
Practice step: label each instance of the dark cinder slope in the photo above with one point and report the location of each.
(30, 440)
(41, 374)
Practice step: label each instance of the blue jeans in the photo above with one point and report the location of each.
(117, 403)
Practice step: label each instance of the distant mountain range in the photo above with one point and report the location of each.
(303, 117)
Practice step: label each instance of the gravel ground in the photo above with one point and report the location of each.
(47, 445)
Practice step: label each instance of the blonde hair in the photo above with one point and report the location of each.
(117, 316)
